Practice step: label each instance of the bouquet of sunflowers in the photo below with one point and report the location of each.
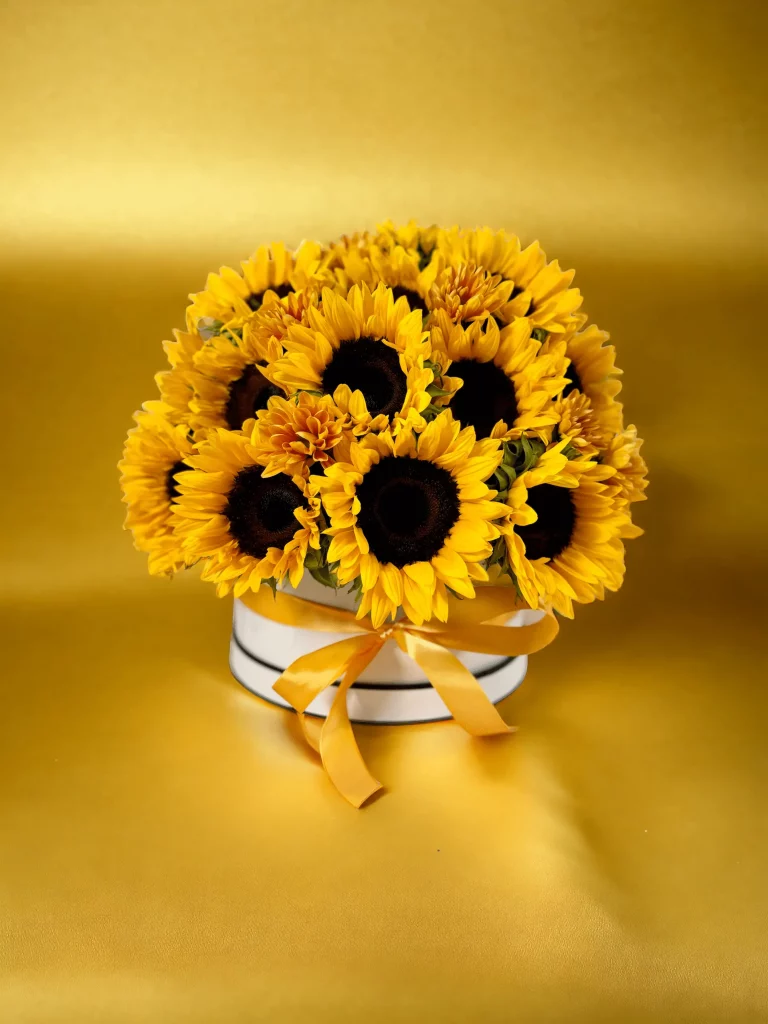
(411, 414)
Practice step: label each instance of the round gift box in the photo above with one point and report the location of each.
(390, 691)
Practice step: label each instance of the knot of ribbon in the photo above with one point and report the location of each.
(475, 625)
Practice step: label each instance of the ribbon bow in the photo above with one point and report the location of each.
(475, 625)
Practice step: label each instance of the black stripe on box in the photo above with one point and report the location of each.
(396, 687)
(357, 721)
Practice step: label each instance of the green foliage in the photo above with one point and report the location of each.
(519, 457)
(539, 334)
(207, 327)
(324, 574)
(318, 566)
(499, 552)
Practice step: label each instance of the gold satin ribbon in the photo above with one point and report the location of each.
(474, 626)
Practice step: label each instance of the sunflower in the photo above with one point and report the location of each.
(468, 292)
(272, 272)
(508, 380)
(411, 517)
(174, 385)
(367, 350)
(155, 452)
(372, 261)
(538, 290)
(247, 526)
(563, 533)
(592, 371)
(420, 243)
(227, 376)
(293, 436)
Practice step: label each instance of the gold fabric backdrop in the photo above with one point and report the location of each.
(170, 851)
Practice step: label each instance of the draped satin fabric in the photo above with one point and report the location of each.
(169, 850)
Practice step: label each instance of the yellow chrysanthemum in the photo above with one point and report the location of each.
(508, 379)
(290, 436)
(230, 297)
(563, 533)
(468, 292)
(366, 350)
(630, 470)
(227, 376)
(248, 527)
(154, 454)
(411, 517)
(174, 385)
(579, 424)
(538, 290)
(592, 370)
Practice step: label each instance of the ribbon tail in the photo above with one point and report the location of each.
(338, 747)
(461, 693)
(310, 728)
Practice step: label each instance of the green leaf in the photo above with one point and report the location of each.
(431, 412)
(435, 392)
(324, 574)
(539, 334)
(499, 551)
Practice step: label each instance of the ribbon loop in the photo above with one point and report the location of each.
(472, 629)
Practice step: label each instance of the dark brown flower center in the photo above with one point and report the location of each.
(171, 487)
(407, 509)
(552, 531)
(370, 366)
(415, 301)
(247, 395)
(255, 300)
(260, 511)
(574, 380)
(487, 396)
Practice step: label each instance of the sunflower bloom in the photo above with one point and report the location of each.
(563, 533)
(397, 267)
(412, 518)
(508, 380)
(291, 436)
(421, 243)
(175, 385)
(155, 452)
(539, 291)
(366, 350)
(592, 371)
(246, 526)
(230, 297)
(227, 377)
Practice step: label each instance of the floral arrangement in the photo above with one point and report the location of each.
(412, 414)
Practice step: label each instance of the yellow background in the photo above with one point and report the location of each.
(169, 850)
